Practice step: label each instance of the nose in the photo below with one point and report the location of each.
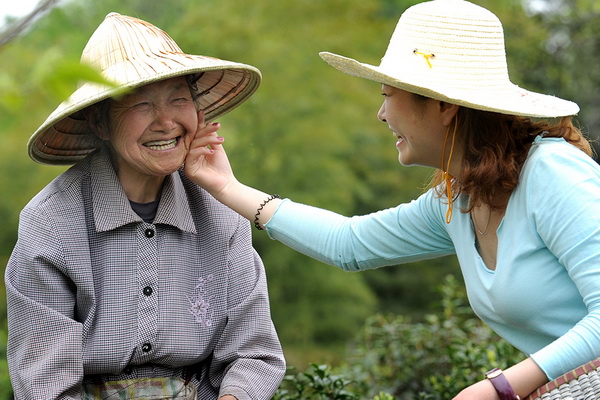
(381, 113)
(163, 120)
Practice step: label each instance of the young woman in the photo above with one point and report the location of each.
(516, 199)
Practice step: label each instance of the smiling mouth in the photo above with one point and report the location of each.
(162, 144)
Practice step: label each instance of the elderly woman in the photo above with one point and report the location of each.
(128, 280)
(516, 198)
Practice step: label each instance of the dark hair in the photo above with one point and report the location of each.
(192, 81)
(495, 148)
(98, 117)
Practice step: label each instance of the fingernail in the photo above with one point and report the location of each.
(220, 138)
(215, 123)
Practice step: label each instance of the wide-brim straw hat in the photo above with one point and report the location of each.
(131, 53)
(453, 51)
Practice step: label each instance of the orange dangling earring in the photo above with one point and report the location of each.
(445, 174)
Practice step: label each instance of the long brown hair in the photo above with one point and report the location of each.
(495, 147)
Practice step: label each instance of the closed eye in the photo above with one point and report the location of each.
(181, 101)
(142, 105)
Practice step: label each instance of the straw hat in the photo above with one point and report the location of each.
(132, 53)
(453, 50)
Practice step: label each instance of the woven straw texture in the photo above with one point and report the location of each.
(131, 53)
(582, 383)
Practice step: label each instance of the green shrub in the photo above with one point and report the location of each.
(395, 358)
(433, 359)
(316, 383)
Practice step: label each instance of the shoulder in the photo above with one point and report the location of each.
(557, 173)
(553, 158)
(557, 150)
(62, 192)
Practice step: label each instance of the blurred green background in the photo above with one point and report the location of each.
(309, 133)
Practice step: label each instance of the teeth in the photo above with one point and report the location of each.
(161, 144)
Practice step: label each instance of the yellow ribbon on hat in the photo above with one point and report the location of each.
(426, 56)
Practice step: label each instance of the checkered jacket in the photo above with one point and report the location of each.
(94, 292)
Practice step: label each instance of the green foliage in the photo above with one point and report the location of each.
(410, 290)
(383, 396)
(5, 387)
(309, 133)
(433, 359)
(396, 358)
(317, 383)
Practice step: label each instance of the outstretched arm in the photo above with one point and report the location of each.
(524, 378)
(208, 166)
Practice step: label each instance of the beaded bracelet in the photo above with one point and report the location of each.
(259, 209)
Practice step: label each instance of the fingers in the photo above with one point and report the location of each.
(205, 133)
(207, 138)
(205, 145)
(201, 122)
(204, 128)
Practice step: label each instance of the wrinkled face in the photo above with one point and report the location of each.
(150, 130)
(417, 125)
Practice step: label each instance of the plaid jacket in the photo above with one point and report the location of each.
(94, 292)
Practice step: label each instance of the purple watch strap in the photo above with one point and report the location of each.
(505, 391)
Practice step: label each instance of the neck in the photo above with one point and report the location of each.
(138, 187)
(142, 190)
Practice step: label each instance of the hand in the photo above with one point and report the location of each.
(228, 397)
(206, 163)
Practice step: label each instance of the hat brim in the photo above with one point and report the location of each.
(64, 137)
(506, 98)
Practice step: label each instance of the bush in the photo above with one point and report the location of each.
(316, 383)
(397, 359)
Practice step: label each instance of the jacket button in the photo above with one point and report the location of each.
(147, 291)
(149, 233)
(146, 347)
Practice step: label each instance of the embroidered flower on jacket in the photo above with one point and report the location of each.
(200, 302)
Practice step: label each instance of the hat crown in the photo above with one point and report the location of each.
(123, 46)
(439, 38)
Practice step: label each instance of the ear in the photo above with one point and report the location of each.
(101, 131)
(97, 121)
(447, 112)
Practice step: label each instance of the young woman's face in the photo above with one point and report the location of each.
(151, 129)
(417, 124)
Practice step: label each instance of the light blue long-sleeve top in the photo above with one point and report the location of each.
(544, 295)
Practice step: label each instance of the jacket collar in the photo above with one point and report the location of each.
(112, 209)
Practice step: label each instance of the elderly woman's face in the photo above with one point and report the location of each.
(151, 129)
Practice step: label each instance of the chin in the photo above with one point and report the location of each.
(167, 169)
(403, 161)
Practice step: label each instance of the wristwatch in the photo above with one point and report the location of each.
(505, 391)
